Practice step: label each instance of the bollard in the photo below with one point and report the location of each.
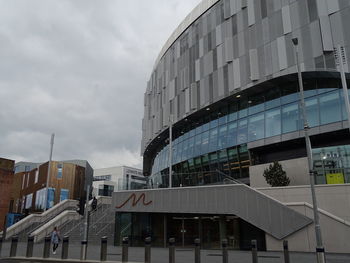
(103, 254)
(286, 251)
(83, 250)
(224, 251)
(46, 252)
(14, 244)
(148, 249)
(320, 254)
(65, 245)
(171, 250)
(125, 252)
(30, 244)
(254, 252)
(197, 250)
(1, 238)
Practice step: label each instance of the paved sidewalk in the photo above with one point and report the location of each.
(160, 255)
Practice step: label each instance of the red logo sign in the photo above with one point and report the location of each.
(135, 201)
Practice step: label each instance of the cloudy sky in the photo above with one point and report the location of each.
(79, 69)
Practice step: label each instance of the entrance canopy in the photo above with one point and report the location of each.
(247, 203)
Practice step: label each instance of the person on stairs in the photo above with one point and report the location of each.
(55, 240)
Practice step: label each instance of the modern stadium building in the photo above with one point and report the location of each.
(226, 83)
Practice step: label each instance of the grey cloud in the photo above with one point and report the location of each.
(79, 69)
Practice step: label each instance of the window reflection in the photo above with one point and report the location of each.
(219, 133)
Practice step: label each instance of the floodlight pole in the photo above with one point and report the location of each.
(320, 254)
(170, 151)
(48, 171)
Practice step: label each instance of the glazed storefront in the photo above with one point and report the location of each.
(210, 228)
(236, 212)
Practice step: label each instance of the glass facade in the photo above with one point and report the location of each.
(218, 141)
(64, 194)
(332, 164)
(59, 170)
(185, 228)
(105, 190)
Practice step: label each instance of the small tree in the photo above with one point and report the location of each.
(275, 176)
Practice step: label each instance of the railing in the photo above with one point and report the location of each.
(46, 216)
(44, 230)
(97, 215)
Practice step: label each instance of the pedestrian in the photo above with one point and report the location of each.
(55, 240)
(94, 204)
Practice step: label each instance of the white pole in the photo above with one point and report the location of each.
(86, 225)
(341, 60)
(48, 171)
(170, 151)
(320, 254)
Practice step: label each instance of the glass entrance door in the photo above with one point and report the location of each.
(184, 228)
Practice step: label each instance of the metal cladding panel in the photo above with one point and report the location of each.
(322, 8)
(249, 25)
(251, 12)
(287, 25)
(252, 206)
(218, 38)
(282, 52)
(254, 64)
(326, 34)
(333, 6)
(221, 87)
(236, 74)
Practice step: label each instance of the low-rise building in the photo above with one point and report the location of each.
(6, 180)
(112, 179)
(67, 180)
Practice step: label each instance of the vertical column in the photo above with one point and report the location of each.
(224, 251)
(254, 252)
(148, 249)
(172, 250)
(286, 251)
(1, 239)
(30, 244)
(197, 251)
(125, 247)
(222, 227)
(13, 248)
(65, 245)
(103, 253)
(46, 251)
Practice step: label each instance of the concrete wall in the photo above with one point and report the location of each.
(335, 233)
(334, 199)
(296, 170)
(334, 205)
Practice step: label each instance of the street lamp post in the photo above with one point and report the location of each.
(48, 172)
(319, 244)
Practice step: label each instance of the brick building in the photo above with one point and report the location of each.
(67, 180)
(6, 181)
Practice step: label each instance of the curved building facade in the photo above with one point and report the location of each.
(227, 80)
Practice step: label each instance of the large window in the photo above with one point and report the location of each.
(273, 122)
(105, 190)
(312, 113)
(242, 131)
(29, 199)
(64, 194)
(290, 117)
(59, 170)
(256, 127)
(330, 108)
(274, 112)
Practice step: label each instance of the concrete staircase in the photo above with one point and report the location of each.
(32, 222)
(101, 223)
